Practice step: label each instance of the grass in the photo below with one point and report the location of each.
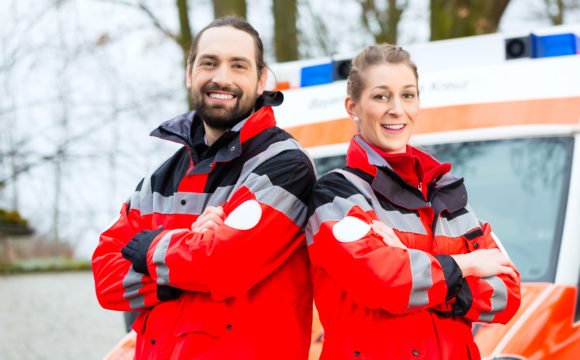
(44, 265)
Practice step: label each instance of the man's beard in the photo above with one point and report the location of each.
(218, 116)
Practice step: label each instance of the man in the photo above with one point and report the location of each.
(210, 248)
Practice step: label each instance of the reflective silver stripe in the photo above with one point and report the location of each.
(333, 211)
(277, 197)
(421, 279)
(498, 298)
(404, 222)
(159, 257)
(132, 284)
(458, 226)
(239, 125)
(220, 196)
(195, 203)
(270, 152)
(372, 156)
(135, 201)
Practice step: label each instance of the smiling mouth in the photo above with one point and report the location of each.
(220, 96)
(393, 126)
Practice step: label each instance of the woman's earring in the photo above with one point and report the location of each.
(355, 119)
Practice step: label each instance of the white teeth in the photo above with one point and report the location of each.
(394, 127)
(221, 96)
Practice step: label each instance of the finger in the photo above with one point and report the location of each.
(212, 217)
(208, 217)
(509, 272)
(209, 225)
(217, 210)
(506, 261)
(211, 221)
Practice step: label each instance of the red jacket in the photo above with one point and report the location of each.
(381, 302)
(240, 292)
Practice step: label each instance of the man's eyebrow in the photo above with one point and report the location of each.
(241, 58)
(208, 56)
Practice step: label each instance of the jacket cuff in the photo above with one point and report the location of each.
(453, 275)
(165, 292)
(463, 299)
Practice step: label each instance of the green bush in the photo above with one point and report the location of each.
(44, 265)
(12, 217)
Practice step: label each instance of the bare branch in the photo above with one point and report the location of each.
(154, 19)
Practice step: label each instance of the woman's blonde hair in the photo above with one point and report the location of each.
(373, 55)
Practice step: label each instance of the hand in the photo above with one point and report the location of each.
(136, 250)
(389, 236)
(211, 218)
(484, 263)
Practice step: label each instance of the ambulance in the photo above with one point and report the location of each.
(504, 110)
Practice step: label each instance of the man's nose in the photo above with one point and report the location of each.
(222, 76)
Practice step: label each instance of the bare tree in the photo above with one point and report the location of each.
(229, 7)
(285, 29)
(458, 18)
(382, 21)
(557, 9)
(183, 37)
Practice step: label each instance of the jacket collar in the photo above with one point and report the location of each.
(450, 191)
(178, 130)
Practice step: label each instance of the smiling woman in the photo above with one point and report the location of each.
(383, 98)
(387, 112)
(402, 265)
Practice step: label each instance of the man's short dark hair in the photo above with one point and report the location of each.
(236, 23)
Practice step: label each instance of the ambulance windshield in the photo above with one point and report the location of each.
(520, 187)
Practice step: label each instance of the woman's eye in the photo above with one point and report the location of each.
(382, 97)
(408, 96)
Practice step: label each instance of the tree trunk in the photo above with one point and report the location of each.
(229, 7)
(458, 18)
(184, 38)
(387, 20)
(557, 17)
(285, 31)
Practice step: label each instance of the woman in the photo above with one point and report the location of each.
(401, 265)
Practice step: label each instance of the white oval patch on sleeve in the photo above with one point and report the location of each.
(350, 229)
(245, 216)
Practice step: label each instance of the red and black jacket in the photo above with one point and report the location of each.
(242, 291)
(382, 302)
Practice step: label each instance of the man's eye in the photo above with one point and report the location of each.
(240, 66)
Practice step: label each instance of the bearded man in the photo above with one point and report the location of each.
(210, 248)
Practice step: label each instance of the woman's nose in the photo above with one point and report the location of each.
(395, 109)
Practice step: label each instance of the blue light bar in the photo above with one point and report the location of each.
(316, 74)
(555, 45)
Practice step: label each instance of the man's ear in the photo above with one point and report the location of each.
(350, 107)
(188, 75)
(262, 81)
